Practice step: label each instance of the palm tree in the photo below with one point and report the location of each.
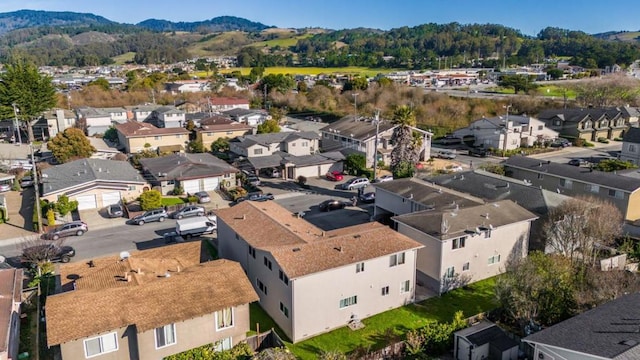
(405, 153)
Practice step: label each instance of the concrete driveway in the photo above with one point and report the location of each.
(20, 206)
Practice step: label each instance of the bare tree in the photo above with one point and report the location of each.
(36, 251)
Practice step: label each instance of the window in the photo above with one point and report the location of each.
(450, 272)
(224, 344)
(494, 259)
(261, 286)
(587, 125)
(305, 143)
(267, 263)
(257, 151)
(404, 287)
(132, 187)
(556, 122)
(101, 345)
(326, 135)
(224, 319)
(540, 176)
(359, 267)
(540, 127)
(335, 137)
(397, 259)
(293, 144)
(385, 291)
(632, 148)
(465, 266)
(616, 194)
(171, 182)
(284, 310)
(458, 243)
(178, 136)
(592, 188)
(348, 301)
(165, 336)
(252, 252)
(400, 258)
(157, 137)
(229, 132)
(209, 133)
(566, 183)
(283, 277)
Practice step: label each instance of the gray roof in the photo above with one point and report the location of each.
(486, 332)
(168, 110)
(492, 187)
(359, 128)
(577, 115)
(274, 138)
(609, 331)
(454, 223)
(78, 172)
(89, 112)
(241, 112)
(585, 175)
(632, 135)
(279, 158)
(429, 195)
(186, 166)
(499, 121)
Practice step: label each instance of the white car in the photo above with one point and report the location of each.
(383, 178)
(355, 183)
(454, 168)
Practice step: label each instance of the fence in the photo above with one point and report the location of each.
(390, 352)
(266, 340)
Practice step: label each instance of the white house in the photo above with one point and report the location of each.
(169, 117)
(96, 121)
(631, 146)
(117, 114)
(250, 117)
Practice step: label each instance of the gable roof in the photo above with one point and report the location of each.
(632, 135)
(486, 332)
(221, 123)
(265, 140)
(186, 166)
(90, 112)
(10, 293)
(279, 158)
(133, 128)
(429, 195)
(577, 115)
(301, 248)
(237, 112)
(168, 110)
(606, 179)
(609, 331)
(360, 127)
(189, 292)
(83, 171)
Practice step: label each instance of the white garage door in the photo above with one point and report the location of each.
(210, 184)
(110, 198)
(324, 168)
(191, 186)
(307, 171)
(86, 202)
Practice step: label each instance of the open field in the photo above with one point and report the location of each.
(369, 72)
(124, 58)
(283, 42)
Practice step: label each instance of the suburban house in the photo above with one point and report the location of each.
(148, 305)
(609, 331)
(312, 281)
(191, 172)
(141, 113)
(353, 134)
(117, 114)
(631, 114)
(251, 117)
(136, 136)
(96, 121)
(622, 191)
(484, 340)
(54, 121)
(216, 127)
(94, 183)
(104, 149)
(187, 86)
(588, 124)
(168, 117)
(507, 133)
(292, 143)
(10, 300)
(631, 146)
(220, 104)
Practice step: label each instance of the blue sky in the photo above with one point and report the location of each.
(527, 16)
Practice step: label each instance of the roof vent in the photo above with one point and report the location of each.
(338, 248)
(124, 255)
(486, 216)
(357, 236)
(99, 169)
(296, 249)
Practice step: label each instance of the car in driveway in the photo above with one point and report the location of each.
(355, 183)
(74, 228)
(188, 211)
(5, 187)
(333, 204)
(150, 216)
(254, 197)
(334, 176)
(47, 252)
(115, 211)
(203, 197)
(253, 180)
(368, 197)
(578, 162)
(26, 181)
(383, 178)
(453, 168)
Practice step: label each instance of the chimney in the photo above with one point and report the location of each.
(244, 217)
(486, 215)
(323, 233)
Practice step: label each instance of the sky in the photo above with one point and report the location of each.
(528, 16)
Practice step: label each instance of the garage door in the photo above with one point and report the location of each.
(211, 184)
(307, 171)
(86, 202)
(191, 186)
(110, 198)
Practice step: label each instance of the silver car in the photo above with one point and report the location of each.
(187, 211)
(202, 197)
(149, 216)
(77, 228)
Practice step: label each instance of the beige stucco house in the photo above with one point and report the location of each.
(292, 143)
(136, 136)
(631, 146)
(148, 305)
(216, 127)
(312, 281)
(588, 124)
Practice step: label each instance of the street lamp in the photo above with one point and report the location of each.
(375, 143)
(17, 123)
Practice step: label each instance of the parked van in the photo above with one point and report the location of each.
(445, 154)
(196, 226)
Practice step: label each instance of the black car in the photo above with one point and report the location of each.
(367, 198)
(578, 162)
(329, 205)
(50, 252)
(479, 152)
(115, 211)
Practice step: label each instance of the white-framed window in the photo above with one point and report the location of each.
(305, 143)
(493, 259)
(346, 302)
(224, 319)
(267, 263)
(101, 345)
(540, 127)
(385, 290)
(257, 151)
(458, 243)
(132, 187)
(450, 272)
(405, 286)
(566, 183)
(397, 259)
(616, 194)
(556, 123)
(229, 132)
(359, 267)
(262, 286)
(165, 336)
(224, 344)
(465, 266)
(592, 188)
(631, 148)
(283, 277)
(284, 310)
(178, 136)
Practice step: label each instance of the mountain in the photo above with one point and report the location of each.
(619, 36)
(217, 24)
(33, 18)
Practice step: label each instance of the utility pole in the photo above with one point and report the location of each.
(375, 144)
(36, 187)
(17, 123)
(506, 131)
(265, 97)
(355, 104)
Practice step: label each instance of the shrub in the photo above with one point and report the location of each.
(178, 190)
(51, 217)
(617, 139)
(65, 206)
(603, 140)
(588, 144)
(302, 180)
(151, 199)
(192, 199)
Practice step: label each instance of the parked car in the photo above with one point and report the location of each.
(445, 154)
(383, 178)
(367, 197)
(560, 142)
(26, 181)
(202, 196)
(355, 183)
(253, 180)
(254, 197)
(453, 168)
(77, 228)
(5, 187)
(578, 162)
(115, 211)
(150, 216)
(334, 176)
(479, 152)
(332, 204)
(47, 252)
(187, 211)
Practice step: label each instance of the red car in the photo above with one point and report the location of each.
(334, 176)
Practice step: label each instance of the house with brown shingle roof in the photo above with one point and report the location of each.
(216, 127)
(228, 103)
(136, 136)
(148, 305)
(312, 281)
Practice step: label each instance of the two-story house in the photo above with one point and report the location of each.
(355, 134)
(10, 300)
(187, 86)
(148, 305)
(141, 113)
(95, 121)
(631, 146)
(54, 121)
(213, 128)
(588, 124)
(312, 281)
(251, 117)
(220, 104)
(292, 143)
(118, 115)
(136, 136)
(168, 117)
(507, 133)
(622, 191)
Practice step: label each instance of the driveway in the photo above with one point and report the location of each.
(20, 206)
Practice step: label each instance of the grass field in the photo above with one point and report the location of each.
(124, 58)
(282, 42)
(369, 72)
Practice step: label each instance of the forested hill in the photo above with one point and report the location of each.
(217, 24)
(33, 18)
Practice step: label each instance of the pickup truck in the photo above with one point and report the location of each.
(196, 226)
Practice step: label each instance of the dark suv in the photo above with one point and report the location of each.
(51, 252)
(77, 228)
(150, 216)
(479, 152)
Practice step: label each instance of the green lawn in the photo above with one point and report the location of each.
(478, 298)
(124, 58)
(168, 201)
(556, 91)
(282, 42)
(310, 70)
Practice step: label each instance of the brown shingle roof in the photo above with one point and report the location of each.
(140, 129)
(300, 248)
(147, 303)
(10, 293)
